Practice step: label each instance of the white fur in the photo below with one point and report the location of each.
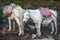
(37, 18)
(17, 14)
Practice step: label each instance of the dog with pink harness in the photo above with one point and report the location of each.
(16, 13)
(42, 16)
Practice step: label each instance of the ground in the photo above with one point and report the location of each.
(13, 35)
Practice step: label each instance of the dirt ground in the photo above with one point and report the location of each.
(13, 35)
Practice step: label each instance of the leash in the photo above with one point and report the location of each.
(54, 15)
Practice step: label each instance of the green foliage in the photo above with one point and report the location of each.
(38, 2)
(1, 15)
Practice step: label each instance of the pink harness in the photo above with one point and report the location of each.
(10, 12)
(45, 12)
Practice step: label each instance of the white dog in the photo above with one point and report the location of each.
(16, 13)
(37, 18)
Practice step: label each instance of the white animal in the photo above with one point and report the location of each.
(17, 14)
(37, 18)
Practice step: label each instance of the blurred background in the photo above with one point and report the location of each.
(30, 4)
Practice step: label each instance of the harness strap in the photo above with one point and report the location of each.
(53, 14)
(10, 12)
